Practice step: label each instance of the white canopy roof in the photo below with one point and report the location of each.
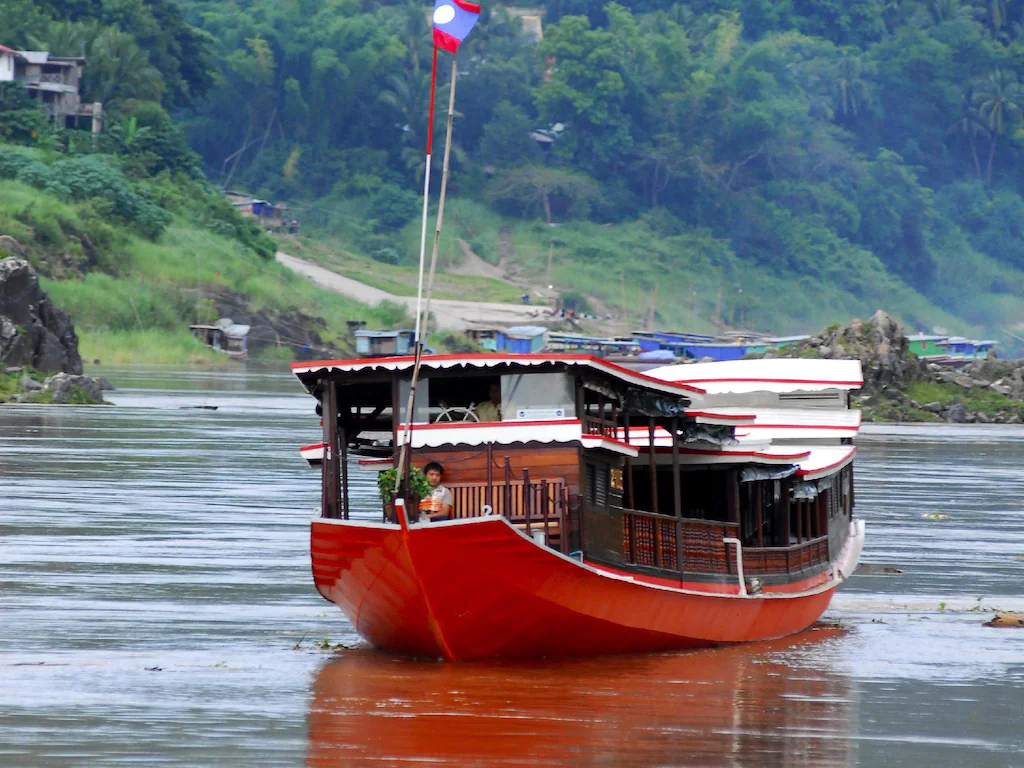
(767, 375)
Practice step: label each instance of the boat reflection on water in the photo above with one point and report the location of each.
(741, 705)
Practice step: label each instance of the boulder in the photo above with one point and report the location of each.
(932, 407)
(71, 388)
(11, 246)
(28, 384)
(33, 332)
(956, 413)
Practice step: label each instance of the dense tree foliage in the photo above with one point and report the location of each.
(860, 142)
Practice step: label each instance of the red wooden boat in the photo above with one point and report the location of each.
(608, 511)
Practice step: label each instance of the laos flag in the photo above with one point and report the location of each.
(453, 20)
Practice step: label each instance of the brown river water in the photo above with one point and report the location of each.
(156, 608)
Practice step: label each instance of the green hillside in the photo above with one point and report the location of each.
(775, 165)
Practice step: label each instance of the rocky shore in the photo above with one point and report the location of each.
(899, 386)
(36, 339)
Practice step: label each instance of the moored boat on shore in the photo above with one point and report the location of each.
(607, 511)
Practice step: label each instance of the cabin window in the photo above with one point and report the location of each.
(597, 485)
(527, 396)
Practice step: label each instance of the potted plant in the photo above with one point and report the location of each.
(419, 488)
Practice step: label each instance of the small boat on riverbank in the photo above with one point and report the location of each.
(607, 511)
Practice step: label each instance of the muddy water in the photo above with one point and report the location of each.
(156, 607)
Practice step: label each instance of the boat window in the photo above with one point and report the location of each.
(421, 409)
(537, 396)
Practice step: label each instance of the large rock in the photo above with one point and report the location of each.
(33, 332)
(879, 343)
(67, 388)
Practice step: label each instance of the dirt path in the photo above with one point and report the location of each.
(449, 314)
(472, 264)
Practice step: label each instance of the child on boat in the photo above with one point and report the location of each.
(438, 504)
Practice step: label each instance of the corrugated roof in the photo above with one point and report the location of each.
(36, 57)
(525, 331)
(384, 334)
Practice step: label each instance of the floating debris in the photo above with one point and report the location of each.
(1007, 619)
(869, 569)
(935, 516)
(198, 408)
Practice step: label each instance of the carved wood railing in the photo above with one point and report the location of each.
(532, 506)
(786, 560)
(673, 543)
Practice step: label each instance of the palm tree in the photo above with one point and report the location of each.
(408, 95)
(969, 124)
(850, 93)
(117, 71)
(1000, 104)
(997, 14)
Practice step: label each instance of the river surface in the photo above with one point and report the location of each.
(156, 608)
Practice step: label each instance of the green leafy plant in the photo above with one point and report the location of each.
(419, 486)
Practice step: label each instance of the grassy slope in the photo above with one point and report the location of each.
(696, 277)
(142, 313)
(399, 279)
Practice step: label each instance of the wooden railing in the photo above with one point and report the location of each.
(528, 505)
(593, 425)
(786, 560)
(696, 546)
(673, 543)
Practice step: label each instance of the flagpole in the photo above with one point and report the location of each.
(405, 454)
(444, 188)
(426, 192)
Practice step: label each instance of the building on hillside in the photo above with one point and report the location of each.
(485, 336)
(385, 343)
(522, 339)
(54, 81)
(225, 335)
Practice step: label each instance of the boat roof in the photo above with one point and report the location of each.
(311, 372)
(768, 375)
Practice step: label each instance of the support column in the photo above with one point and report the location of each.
(652, 460)
(732, 496)
(330, 464)
(677, 494)
(630, 500)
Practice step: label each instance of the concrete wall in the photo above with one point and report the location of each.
(6, 66)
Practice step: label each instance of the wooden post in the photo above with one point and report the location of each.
(652, 459)
(489, 493)
(630, 500)
(783, 516)
(732, 496)
(677, 494)
(544, 501)
(508, 488)
(799, 514)
(343, 444)
(329, 464)
(759, 510)
(527, 489)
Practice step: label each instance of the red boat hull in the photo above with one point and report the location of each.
(478, 588)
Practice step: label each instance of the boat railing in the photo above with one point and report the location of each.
(699, 547)
(786, 560)
(594, 425)
(677, 543)
(534, 507)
